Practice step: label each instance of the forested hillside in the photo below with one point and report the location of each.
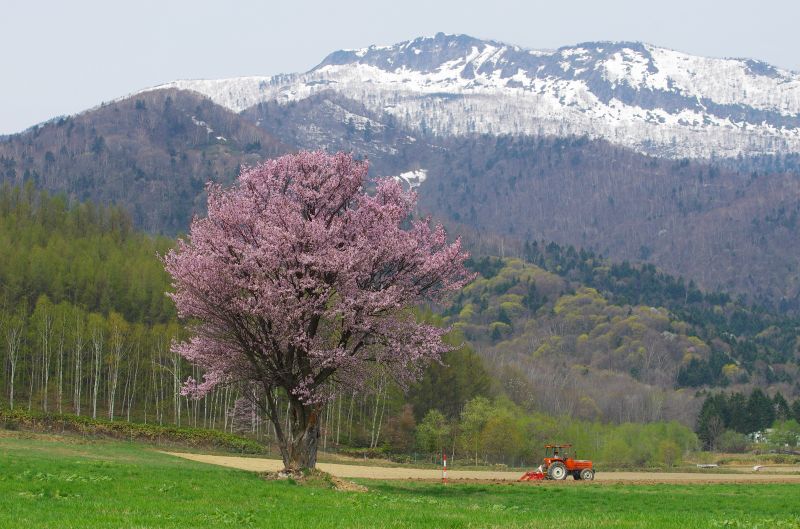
(85, 328)
(85, 325)
(725, 223)
(751, 333)
(616, 342)
(88, 256)
(726, 229)
(153, 154)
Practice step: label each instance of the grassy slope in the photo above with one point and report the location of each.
(64, 482)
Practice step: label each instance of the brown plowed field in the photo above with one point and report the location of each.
(376, 472)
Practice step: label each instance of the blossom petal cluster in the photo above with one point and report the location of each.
(298, 278)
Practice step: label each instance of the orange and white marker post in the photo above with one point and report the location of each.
(444, 467)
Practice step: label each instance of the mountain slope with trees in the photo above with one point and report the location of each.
(728, 224)
(152, 153)
(578, 343)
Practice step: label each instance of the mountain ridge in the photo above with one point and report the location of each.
(655, 100)
(153, 153)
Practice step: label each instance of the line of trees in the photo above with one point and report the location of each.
(62, 359)
(496, 431)
(725, 418)
(58, 358)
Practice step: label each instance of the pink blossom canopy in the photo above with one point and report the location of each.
(298, 277)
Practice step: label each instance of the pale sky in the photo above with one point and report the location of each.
(61, 57)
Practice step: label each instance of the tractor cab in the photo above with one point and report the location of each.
(558, 452)
(560, 462)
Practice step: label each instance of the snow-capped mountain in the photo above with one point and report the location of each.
(655, 100)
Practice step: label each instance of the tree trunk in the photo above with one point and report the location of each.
(78, 376)
(46, 342)
(13, 340)
(61, 364)
(97, 347)
(11, 397)
(300, 450)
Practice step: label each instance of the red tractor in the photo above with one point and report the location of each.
(559, 462)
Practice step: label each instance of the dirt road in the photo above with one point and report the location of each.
(374, 472)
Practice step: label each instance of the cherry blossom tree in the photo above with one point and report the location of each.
(299, 282)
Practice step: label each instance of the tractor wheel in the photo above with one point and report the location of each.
(587, 474)
(557, 471)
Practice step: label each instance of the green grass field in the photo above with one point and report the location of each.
(69, 482)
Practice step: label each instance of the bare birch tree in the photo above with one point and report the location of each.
(13, 338)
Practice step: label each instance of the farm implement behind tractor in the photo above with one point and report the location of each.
(559, 462)
(533, 475)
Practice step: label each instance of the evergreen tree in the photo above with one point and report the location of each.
(503, 316)
(448, 386)
(737, 411)
(760, 411)
(782, 410)
(711, 421)
(796, 410)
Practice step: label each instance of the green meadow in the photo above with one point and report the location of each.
(71, 482)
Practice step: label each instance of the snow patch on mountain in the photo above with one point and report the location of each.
(412, 179)
(655, 100)
(203, 124)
